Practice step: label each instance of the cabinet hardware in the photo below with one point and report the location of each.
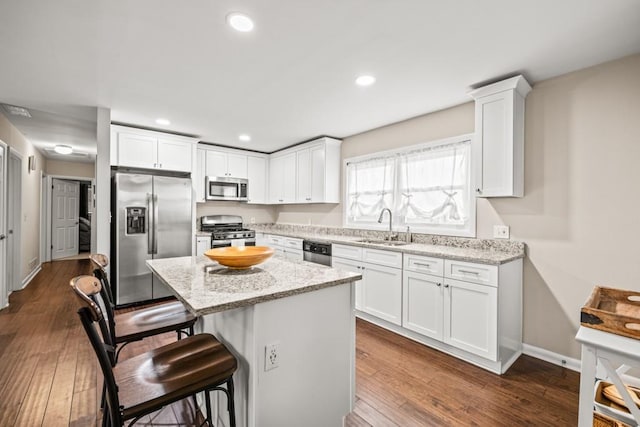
(469, 272)
(160, 165)
(479, 191)
(2, 237)
(438, 284)
(155, 165)
(422, 264)
(446, 286)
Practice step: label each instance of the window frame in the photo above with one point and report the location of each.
(469, 231)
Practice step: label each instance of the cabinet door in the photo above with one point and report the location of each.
(471, 317)
(237, 165)
(293, 254)
(352, 267)
(199, 177)
(203, 244)
(174, 155)
(382, 293)
(317, 174)
(257, 175)
(137, 151)
(303, 163)
(422, 309)
(276, 176)
(216, 164)
(289, 178)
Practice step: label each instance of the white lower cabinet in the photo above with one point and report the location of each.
(471, 317)
(379, 293)
(422, 303)
(288, 247)
(203, 244)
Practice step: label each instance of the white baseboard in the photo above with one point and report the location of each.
(551, 357)
(31, 275)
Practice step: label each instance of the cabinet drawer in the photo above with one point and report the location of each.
(470, 272)
(424, 264)
(276, 240)
(292, 242)
(386, 258)
(347, 252)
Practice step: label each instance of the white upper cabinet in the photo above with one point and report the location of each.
(498, 149)
(315, 177)
(257, 175)
(139, 148)
(282, 178)
(220, 163)
(232, 164)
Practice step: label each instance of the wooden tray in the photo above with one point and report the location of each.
(613, 310)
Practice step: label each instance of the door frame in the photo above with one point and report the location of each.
(47, 212)
(4, 300)
(16, 193)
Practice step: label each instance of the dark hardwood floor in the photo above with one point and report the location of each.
(49, 375)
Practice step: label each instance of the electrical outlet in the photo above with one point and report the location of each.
(271, 356)
(253, 220)
(500, 231)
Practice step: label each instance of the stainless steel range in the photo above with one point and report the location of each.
(227, 230)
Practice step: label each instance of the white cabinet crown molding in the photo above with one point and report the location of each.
(517, 83)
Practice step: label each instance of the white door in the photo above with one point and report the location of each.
(471, 317)
(304, 176)
(64, 227)
(237, 165)
(351, 267)
(216, 164)
(14, 193)
(3, 227)
(257, 175)
(382, 293)
(422, 304)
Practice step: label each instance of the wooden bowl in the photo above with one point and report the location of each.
(241, 256)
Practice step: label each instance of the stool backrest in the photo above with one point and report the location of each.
(85, 288)
(101, 262)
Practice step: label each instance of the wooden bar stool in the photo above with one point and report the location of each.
(144, 384)
(133, 326)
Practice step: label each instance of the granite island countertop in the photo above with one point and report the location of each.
(470, 250)
(205, 287)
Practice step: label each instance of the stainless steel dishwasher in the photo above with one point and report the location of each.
(319, 253)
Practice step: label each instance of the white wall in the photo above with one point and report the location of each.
(579, 215)
(30, 230)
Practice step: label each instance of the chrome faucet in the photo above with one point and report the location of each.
(390, 236)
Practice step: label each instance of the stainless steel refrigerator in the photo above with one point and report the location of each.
(152, 220)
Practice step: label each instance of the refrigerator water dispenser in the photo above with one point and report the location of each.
(136, 220)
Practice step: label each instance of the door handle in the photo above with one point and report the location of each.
(149, 218)
(155, 224)
(10, 231)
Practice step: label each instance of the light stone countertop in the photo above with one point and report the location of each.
(205, 287)
(469, 254)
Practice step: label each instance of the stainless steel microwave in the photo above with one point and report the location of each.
(224, 188)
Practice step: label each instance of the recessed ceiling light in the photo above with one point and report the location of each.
(163, 122)
(240, 22)
(17, 111)
(365, 80)
(63, 149)
(244, 137)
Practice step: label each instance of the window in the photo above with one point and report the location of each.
(427, 187)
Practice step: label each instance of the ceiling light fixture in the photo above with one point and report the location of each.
(63, 149)
(240, 22)
(365, 80)
(244, 137)
(163, 122)
(17, 111)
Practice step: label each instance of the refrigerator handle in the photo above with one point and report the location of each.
(155, 224)
(151, 225)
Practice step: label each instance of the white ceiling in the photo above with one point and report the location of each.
(293, 77)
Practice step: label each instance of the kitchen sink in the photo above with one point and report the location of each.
(382, 242)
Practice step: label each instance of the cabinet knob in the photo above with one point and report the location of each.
(155, 165)
(479, 191)
(160, 165)
(438, 284)
(446, 286)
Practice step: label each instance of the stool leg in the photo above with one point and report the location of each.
(230, 403)
(207, 397)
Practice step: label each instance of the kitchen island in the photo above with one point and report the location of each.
(290, 324)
